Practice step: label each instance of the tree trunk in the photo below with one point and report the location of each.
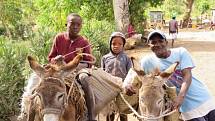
(189, 4)
(121, 14)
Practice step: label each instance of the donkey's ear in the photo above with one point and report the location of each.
(135, 63)
(35, 66)
(74, 63)
(136, 66)
(169, 70)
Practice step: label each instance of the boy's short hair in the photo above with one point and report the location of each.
(73, 15)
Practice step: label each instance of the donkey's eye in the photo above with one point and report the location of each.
(60, 97)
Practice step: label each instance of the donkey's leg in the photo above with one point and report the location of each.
(90, 100)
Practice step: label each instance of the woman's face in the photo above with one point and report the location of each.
(159, 47)
(117, 45)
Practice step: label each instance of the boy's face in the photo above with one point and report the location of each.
(74, 24)
(117, 45)
(159, 47)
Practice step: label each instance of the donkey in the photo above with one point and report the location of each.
(151, 90)
(59, 96)
(53, 99)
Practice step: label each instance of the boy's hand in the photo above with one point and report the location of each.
(56, 59)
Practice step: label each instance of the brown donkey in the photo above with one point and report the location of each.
(151, 91)
(53, 99)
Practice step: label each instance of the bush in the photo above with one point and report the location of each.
(98, 32)
(41, 44)
(2, 30)
(12, 64)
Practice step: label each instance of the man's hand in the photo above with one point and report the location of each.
(129, 90)
(178, 102)
(56, 59)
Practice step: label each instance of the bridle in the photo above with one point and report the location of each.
(164, 113)
(65, 100)
(167, 112)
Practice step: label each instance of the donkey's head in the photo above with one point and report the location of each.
(150, 85)
(52, 93)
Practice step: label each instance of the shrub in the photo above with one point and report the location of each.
(12, 80)
(98, 32)
(41, 44)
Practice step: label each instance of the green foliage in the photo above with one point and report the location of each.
(12, 18)
(98, 32)
(98, 9)
(203, 6)
(177, 7)
(10, 11)
(41, 44)
(2, 30)
(53, 13)
(12, 80)
(137, 9)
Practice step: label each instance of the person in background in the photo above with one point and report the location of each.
(131, 31)
(116, 62)
(173, 29)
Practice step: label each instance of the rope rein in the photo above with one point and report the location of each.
(76, 50)
(145, 116)
(86, 54)
(90, 55)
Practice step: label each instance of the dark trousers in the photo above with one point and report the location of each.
(209, 117)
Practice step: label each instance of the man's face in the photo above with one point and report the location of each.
(159, 47)
(74, 24)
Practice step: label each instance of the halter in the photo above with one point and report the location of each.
(66, 100)
(164, 113)
(144, 116)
